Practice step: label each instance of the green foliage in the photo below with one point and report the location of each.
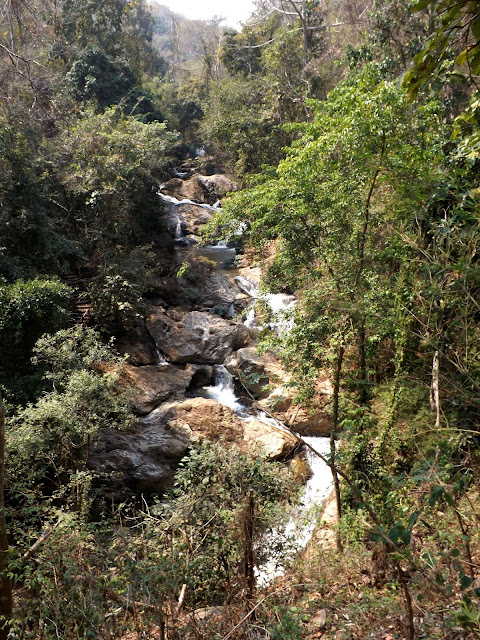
(108, 166)
(74, 349)
(29, 240)
(455, 41)
(94, 77)
(211, 489)
(196, 539)
(240, 126)
(28, 309)
(49, 441)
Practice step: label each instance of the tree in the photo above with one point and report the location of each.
(107, 167)
(457, 31)
(49, 442)
(5, 582)
(335, 206)
(28, 309)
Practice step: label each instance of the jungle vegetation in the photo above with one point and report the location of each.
(354, 129)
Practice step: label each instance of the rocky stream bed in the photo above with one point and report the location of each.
(184, 361)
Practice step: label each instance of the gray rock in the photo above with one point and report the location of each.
(196, 336)
(155, 384)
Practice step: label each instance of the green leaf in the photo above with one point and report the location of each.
(421, 4)
(406, 537)
(475, 64)
(465, 582)
(436, 494)
(429, 559)
(412, 521)
(462, 57)
(475, 27)
(449, 499)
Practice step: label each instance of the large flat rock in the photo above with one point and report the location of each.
(196, 336)
(155, 384)
(145, 458)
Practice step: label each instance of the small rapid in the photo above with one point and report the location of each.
(302, 520)
(281, 305)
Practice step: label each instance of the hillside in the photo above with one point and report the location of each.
(239, 321)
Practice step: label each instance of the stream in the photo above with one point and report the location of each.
(302, 520)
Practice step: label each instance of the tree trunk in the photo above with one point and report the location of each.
(362, 374)
(435, 390)
(305, 30)
(5, 583)
(249, 560)
(333, 433)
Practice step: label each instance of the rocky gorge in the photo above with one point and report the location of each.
(198, 331)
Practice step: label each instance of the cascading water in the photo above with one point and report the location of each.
(280, 304)
(302, 520)
(175, 218)
(317, 488)
(176, 202)
(223, 390)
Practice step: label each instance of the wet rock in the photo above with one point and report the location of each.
(300, 469)
(196, 336)
(255, 371)
(265, 378)
(193, 218)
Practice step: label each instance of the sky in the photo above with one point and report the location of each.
(235, 11)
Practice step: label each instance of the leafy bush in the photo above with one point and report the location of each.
(49, 442)
(28, 309)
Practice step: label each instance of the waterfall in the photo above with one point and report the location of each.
(223, 390)
(302, 521)
(279, 303)
(159, 359)
(175, 218)
(303, 518)
(176, 202)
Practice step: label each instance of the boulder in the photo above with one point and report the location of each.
(264, 377)
(206, 418)
(196, 336)
(199, 418)
(201, 188)
(193, 218)
(142, 460)
(138, 345)
(145, 458)
(217, 290)
(155, 384)
(217, 186)
(268, 440)
(313, 421)
(192, 189)
(255, 371)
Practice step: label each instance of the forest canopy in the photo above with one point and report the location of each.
(352, 131)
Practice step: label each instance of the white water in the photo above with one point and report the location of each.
(223, 390)
(281, 305)
(176, 202)
(175, 218)
(303, 518)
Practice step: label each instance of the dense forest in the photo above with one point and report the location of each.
(333, 147)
